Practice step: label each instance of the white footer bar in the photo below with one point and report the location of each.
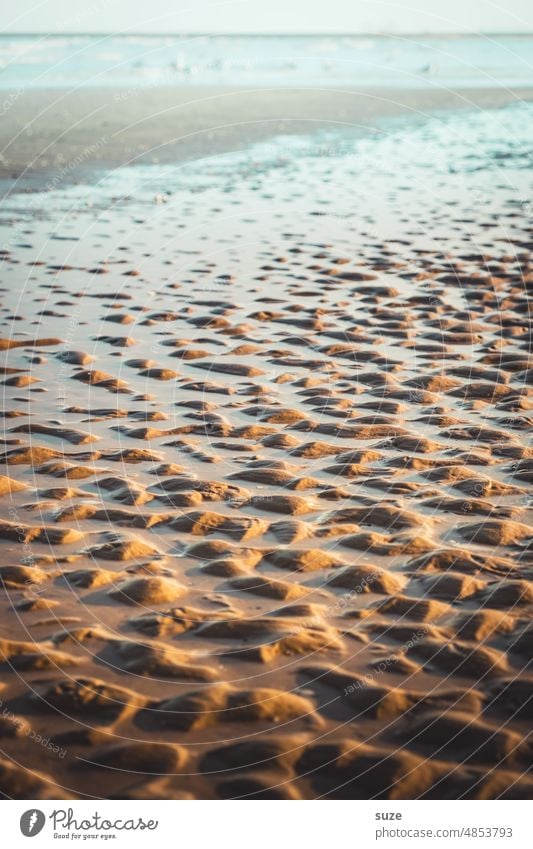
(267, 824)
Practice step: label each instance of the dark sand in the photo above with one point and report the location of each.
(66, 133)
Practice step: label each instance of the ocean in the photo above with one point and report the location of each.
(28, 61)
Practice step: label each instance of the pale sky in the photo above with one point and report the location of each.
(266, 16)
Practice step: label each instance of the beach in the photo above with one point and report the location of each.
(59, 135)
(265, 507)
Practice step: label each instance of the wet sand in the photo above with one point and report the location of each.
(265, 511)
(65, 134)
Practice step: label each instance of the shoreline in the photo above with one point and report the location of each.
(71, 132)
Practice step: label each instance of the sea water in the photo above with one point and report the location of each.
(45, 61)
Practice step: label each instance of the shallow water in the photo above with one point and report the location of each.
(397, 61)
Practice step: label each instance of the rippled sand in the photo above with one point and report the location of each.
(266, 523)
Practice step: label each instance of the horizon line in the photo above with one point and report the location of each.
(237, 34)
